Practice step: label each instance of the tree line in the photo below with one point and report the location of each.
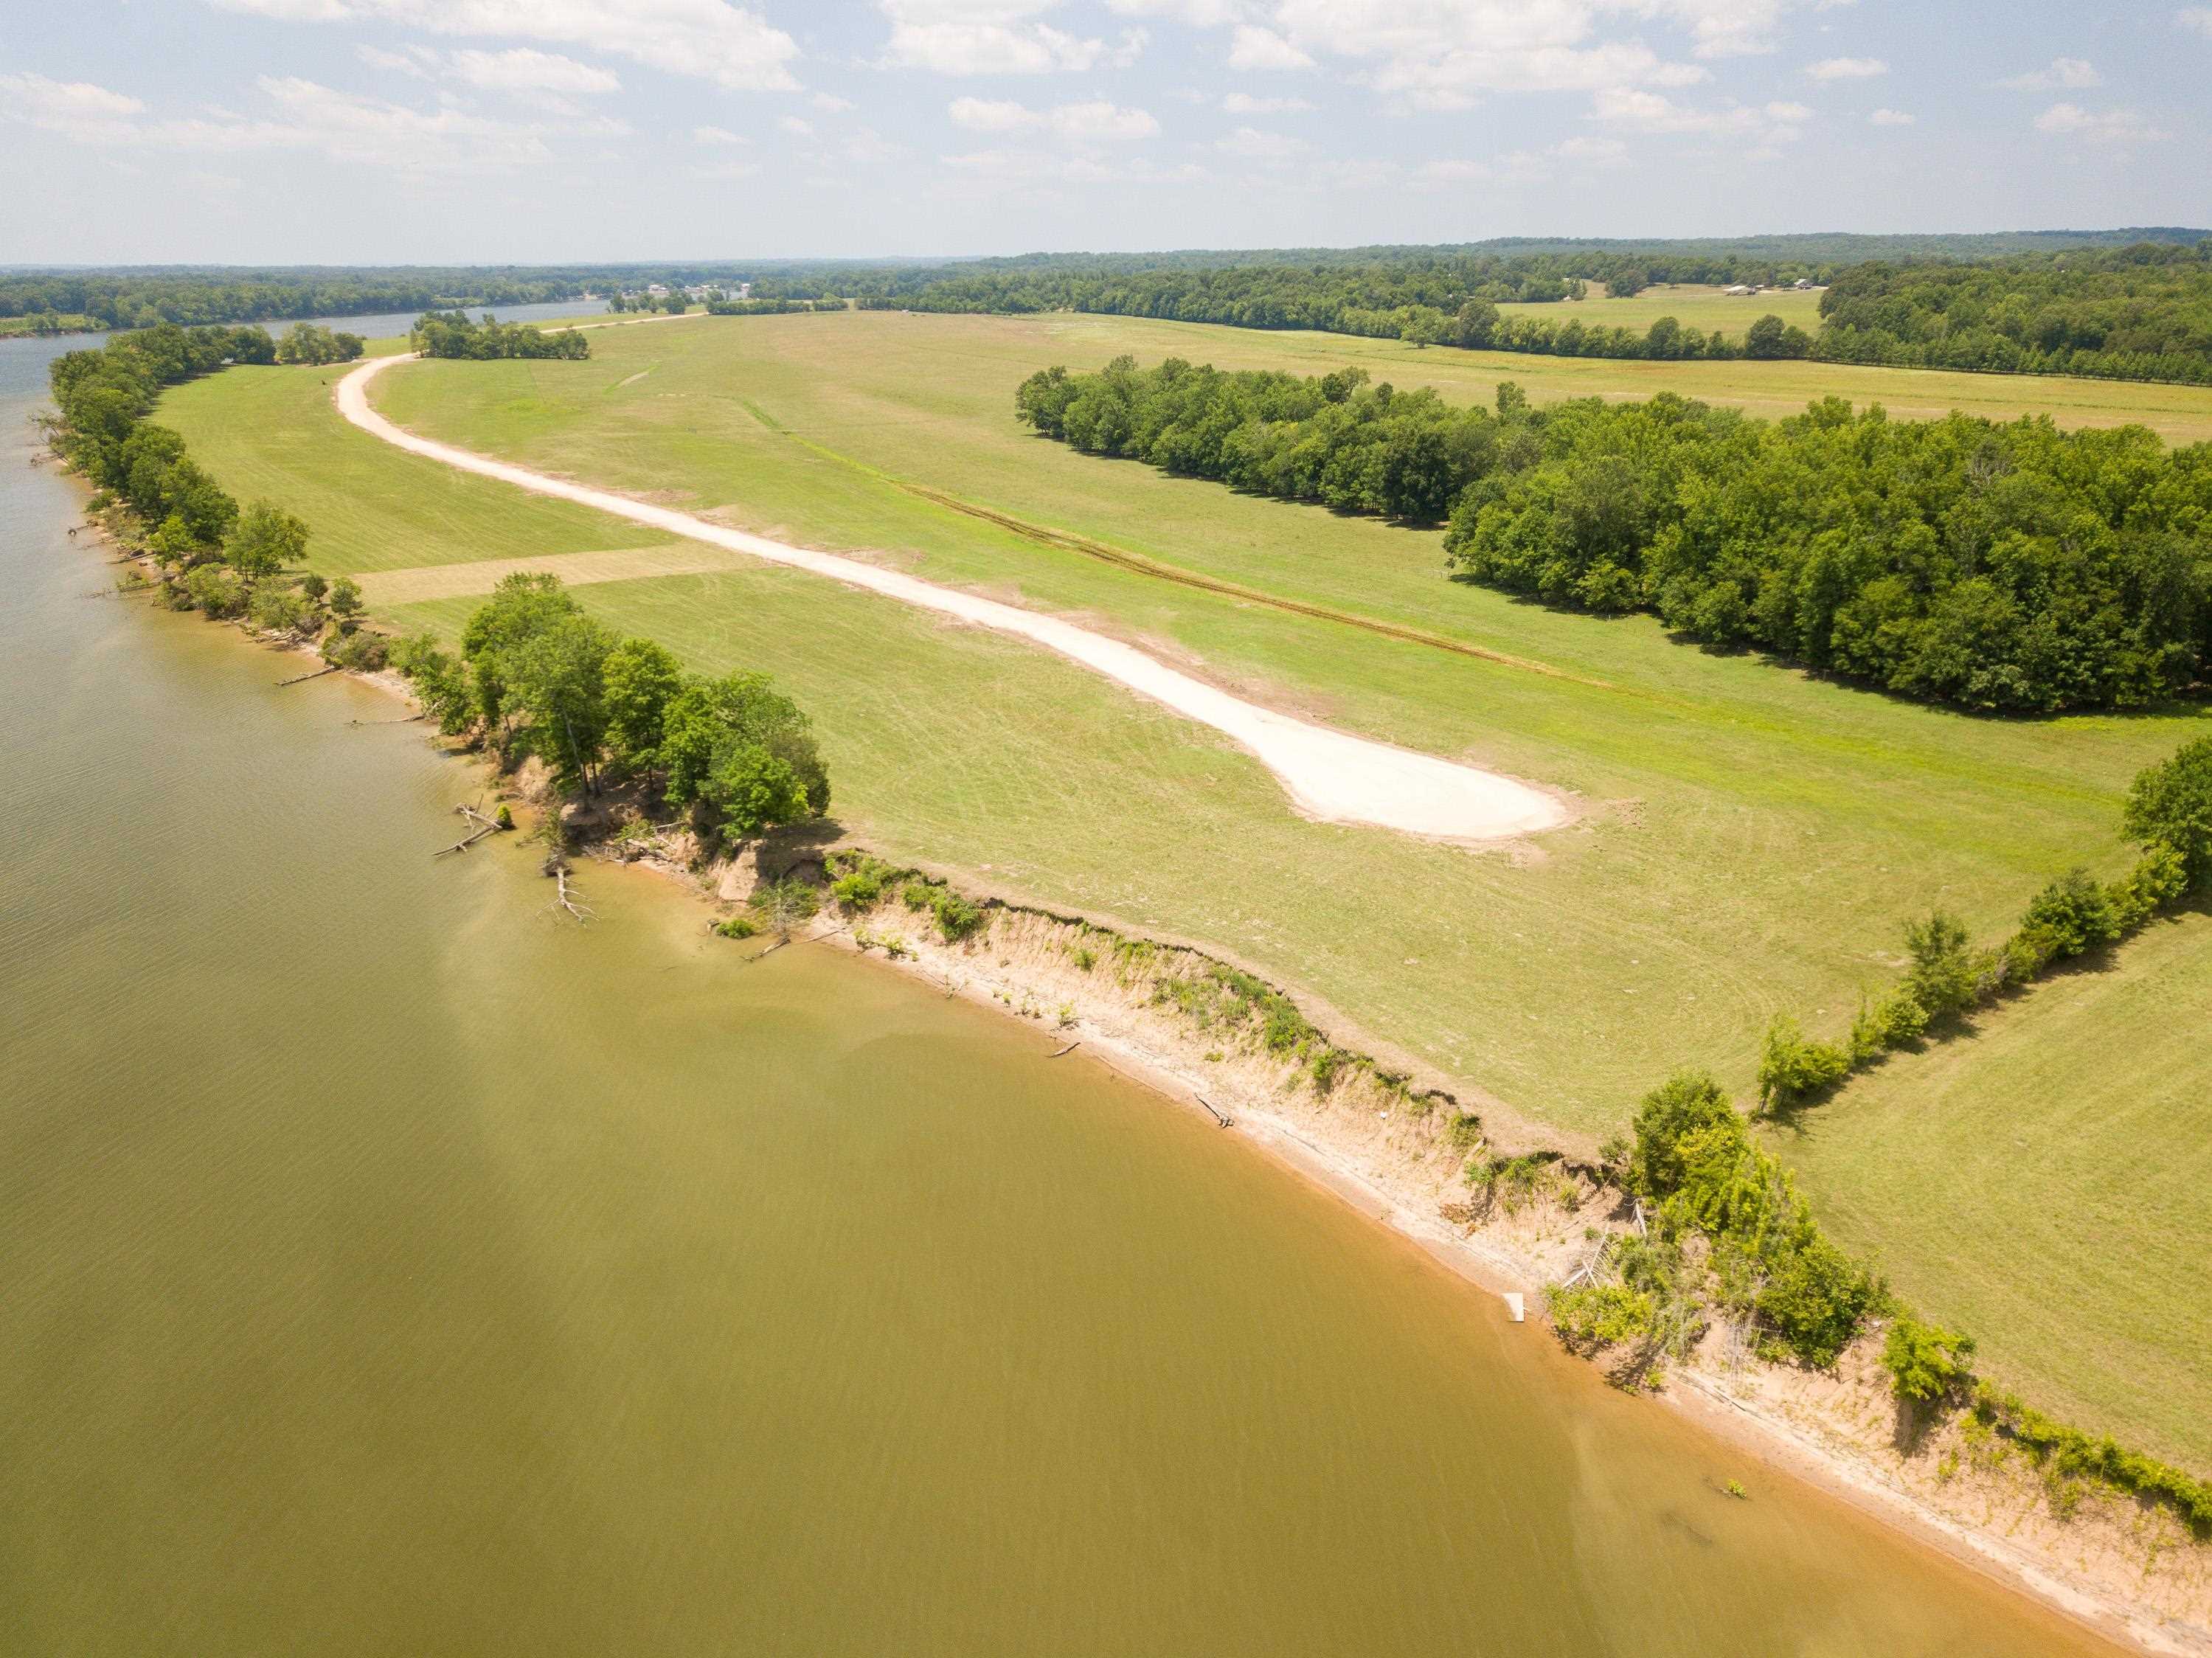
(1434, 301)
(535, 675)
(1995, 567)
(456, 334)
(215, 557)
(2143, 312)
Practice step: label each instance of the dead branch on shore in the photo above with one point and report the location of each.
(563, 898)
(1220, 1116)
(1064, 1052)
(301, 679)
(403, 720)
(466, 842)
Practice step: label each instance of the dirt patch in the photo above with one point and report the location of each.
(429, 581)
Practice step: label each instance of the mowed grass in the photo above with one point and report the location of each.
(2043, 1184)
(1712, 310)
(1749, 839)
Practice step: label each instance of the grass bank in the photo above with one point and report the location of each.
(1752, 837)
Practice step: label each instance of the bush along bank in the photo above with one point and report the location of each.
(1990, 567)
(153, 500)
(2168, 814)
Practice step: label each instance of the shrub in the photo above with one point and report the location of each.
(2170, 805)
(1925, 1363)
(2074, 915)
(1592, 1315)
(1942, 977)
(2158, 878)
(736, 927)
(785, 902)
(273, 610)
(1792, 1065)
(504, 816)
(362, 651)
(956, 918)
(214, 589)
(916, 894)
(1686, 1102)
(1887, 1022)
(1814, 1298)
(1464, 1131)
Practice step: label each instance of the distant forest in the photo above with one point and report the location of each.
(2134, 304)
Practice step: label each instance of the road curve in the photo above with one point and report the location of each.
(1330, 774)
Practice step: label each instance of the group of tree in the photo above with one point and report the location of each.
(771, 307)
(535, 675)
(457, 334)
(2141, 313)
(1996, 566)
(308, 344)
(675, 303)
(216, 558)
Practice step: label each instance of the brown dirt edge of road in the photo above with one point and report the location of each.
(2127, 1570)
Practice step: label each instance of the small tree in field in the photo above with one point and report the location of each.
(2170, 805)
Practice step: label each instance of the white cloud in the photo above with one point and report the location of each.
(2065, 73)
(301, 115)
(1243, 103)
(1094, 122)
(1054, 170)
(829, 103)
(1891, 118)
(1198, 13)
(1640, 110)
(1521, 166)
(415, 63)
(2198, 18)
(1442, 54)
(2112, 126)
(1251, 144)
(524, 69)
(717, 136)
(994, 37)
(1255, 48)
(75, 109)
(794, 126)
(712, 39)
(1846, 69)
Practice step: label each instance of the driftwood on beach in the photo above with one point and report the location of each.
(300, 678)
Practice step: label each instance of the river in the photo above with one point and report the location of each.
(390, 1266)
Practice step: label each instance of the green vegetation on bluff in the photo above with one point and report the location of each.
(1996, 567)
(2128, 314)
(1751, 839)
(456, 334)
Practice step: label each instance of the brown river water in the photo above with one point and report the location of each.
(388, 1267)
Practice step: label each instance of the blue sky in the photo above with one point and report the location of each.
(475, 130)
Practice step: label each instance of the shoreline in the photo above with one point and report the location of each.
(1399, 1185)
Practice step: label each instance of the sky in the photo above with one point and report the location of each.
(469, 132)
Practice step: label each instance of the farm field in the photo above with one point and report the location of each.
(1712, 309)
(2041, 1183)
(1748, 840)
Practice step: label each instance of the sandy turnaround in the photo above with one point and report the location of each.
(1331, 774)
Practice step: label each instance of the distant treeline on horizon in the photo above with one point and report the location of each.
(2131, 304)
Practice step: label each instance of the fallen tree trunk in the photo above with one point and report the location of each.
(301, 679)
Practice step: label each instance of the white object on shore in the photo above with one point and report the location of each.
(1513, 1304)
(1335, 776)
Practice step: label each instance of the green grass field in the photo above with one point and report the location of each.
(1711, 309)
(1750, 839)
(2043, 1183)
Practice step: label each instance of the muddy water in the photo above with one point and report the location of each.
(389, 1267)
